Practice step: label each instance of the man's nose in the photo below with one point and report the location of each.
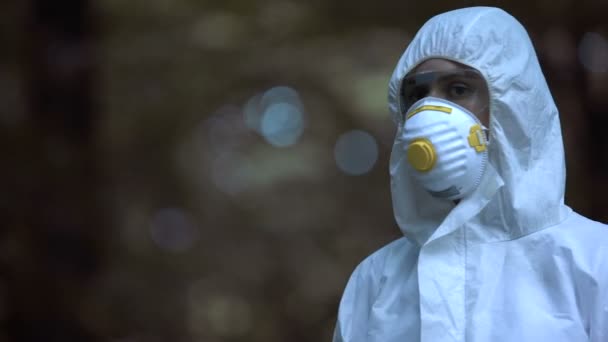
(435, 92)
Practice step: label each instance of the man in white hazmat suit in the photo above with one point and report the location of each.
(490, 252)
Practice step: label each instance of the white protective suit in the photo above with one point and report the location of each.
(510, 262)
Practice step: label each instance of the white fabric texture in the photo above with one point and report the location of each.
(458, 167)
(510, 262)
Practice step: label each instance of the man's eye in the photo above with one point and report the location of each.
(459, 90)
(417, 93)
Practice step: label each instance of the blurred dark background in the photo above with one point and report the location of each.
(214, 170)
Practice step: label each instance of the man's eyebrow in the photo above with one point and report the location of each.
(469, 74)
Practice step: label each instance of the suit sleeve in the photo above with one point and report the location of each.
(356, 302)
(599, 314)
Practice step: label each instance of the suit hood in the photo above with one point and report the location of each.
(522, 189)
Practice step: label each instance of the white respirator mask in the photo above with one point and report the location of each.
(446, 147)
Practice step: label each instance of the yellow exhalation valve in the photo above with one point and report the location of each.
(476, 138)
(421, 154)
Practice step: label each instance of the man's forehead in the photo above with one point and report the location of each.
(438, 65)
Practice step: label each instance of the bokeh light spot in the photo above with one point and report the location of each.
(173, 230)
(228, 173)
(252, 113)
(277, 115)
(224, 129)
(356, 152)
(280, 94)
(218, 31)
(282, 124)
(593, 52)
(224, 314)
